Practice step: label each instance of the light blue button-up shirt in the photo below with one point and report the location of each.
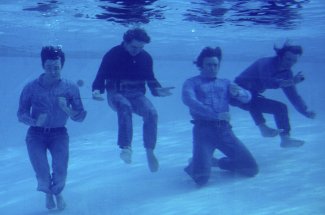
(208, 98)
(36, 100)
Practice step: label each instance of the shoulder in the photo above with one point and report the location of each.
(223, 80)
(32, 84)
(146, 55)
(116, 50)
(193, 80)
(69, 84)
(265, 60)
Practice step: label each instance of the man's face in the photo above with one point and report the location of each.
(210, 67)
(288, 60)
(53, 69)
(134, 47)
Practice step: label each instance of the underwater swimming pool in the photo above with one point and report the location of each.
(289, 182)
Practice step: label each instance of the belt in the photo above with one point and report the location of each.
(47, 129)
(217, 123)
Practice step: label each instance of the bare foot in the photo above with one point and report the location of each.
(49, 201)
(60, 203)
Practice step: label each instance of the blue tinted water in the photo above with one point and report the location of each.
(289, 182)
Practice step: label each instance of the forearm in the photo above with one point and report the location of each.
(77, 116)
(26, 119)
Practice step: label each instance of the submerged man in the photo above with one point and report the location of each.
(45, 105)
(273, 73)
(208, 97)
(124, 72)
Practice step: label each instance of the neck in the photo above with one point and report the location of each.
(48, 81)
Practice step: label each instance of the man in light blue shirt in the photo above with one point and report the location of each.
(208, 99)
(45, 105)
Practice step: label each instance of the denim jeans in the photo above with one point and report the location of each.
(208, 136)
(57, 143)
(259, 105)
(140, 105)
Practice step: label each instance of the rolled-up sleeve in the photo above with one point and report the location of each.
(243, 96)
(295, 99)
(76, 104)
(25, 105)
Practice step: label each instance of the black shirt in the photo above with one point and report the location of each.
(120, 70)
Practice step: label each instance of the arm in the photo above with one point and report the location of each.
(73, 106)
(155, 87)
(190, 99)
(297, 101)
(238, 93)
(99, 82)
(24, 108)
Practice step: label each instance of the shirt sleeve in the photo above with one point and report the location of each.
(295, 99)
(25, 105)
(152, 82)
(99, 82)
(196, 107)
(76, 104)
(243, 95)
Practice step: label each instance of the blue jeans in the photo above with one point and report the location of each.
(259, 105)
(57, 143)
(140, 105)
(211, 135)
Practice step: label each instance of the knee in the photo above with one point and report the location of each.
(201, 180)
(281, 108)
(151, 115)
(124, 109)
(250, 171)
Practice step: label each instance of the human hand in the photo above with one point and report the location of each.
(234, 89)
(310, 114)
(164, 91)
(299, 77)
(41, 119)
(97, 96)
(62, 101)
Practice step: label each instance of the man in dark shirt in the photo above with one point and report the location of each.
(124, 72)
(273, 73)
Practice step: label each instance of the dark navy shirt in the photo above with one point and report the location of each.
(119, 71)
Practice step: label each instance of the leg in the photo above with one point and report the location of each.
(37, 149)
(143, 107)
(122, 106)
(200, 166)
(238, 159)
(59, 149)
(278, 109)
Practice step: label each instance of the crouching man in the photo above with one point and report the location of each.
(208, 99)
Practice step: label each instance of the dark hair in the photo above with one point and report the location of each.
(52, 53)
(208, 52)
(295, 49)
(136, 34)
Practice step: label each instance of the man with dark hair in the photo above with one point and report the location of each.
(124, 72)
(208, 97)
(273, 73)
(45, 105)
